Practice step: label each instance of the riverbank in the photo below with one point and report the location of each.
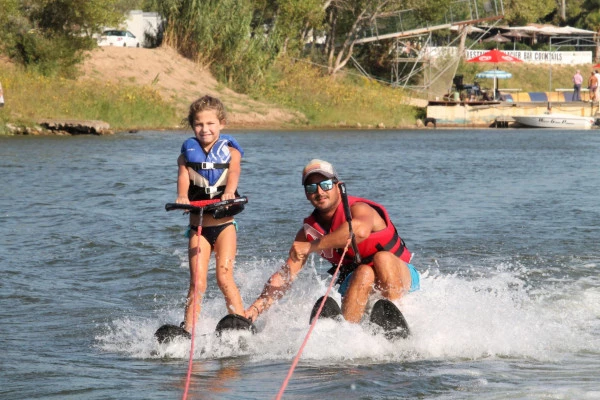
(135, 89)
(179, 82)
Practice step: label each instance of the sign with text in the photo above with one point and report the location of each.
(531, 57)
(542, 57)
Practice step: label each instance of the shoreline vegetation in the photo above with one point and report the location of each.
(150, 89)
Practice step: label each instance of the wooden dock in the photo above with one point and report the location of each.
(503, 121)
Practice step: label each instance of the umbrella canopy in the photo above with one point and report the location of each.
(550, 30)
(498, 38)
(494, 56)
(494, 73)
(516, 34)
(577, 31)
(469, 28)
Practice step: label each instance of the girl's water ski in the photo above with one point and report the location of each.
(229, 323)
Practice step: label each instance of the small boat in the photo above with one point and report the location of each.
(549, 120)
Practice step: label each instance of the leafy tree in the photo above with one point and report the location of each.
(50, 36)
(574, 8)
(521, 12)
(348, 20)
(11, 22)
(296, 19)
(428, 10)
(222, 34)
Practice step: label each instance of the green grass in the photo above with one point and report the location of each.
(528, 77)
(30, 97)
(344, 100)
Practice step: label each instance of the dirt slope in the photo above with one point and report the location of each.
(180, 81)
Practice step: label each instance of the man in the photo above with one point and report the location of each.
(384, 264)
(593, 86)
(597, 94)
(577, 81)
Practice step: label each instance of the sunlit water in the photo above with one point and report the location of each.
(504, 225)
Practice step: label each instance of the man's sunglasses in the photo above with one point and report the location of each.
(326, 186)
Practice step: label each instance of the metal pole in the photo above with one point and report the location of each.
(550, 72)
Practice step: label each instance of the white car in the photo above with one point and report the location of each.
(118, 38)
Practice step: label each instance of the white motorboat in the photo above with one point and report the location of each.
(549, 120)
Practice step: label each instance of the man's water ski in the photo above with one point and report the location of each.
(384, 315)
(388, 317)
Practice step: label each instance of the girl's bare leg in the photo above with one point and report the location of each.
(225, 251)
(198, 276)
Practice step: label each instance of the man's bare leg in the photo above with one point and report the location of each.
(392, 276)
(357, 295)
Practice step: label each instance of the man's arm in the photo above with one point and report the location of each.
(278, 283)
(363, 223)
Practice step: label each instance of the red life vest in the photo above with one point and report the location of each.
(384, 240)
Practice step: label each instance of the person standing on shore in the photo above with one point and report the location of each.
(597, 94)
(577, 81)
(592, 86)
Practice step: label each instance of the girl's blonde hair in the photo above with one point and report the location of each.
(206, 103)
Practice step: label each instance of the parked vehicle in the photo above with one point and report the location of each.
(118, 38)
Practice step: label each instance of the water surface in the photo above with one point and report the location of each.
(504, 225)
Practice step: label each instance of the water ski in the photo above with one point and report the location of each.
(387, 316)
(234, 322)
(168, 332)
(231, 322)
(330, 309)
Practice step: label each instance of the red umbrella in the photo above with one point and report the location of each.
(494, 56)
(596, 66)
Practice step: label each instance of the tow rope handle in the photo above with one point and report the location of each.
(342, 187)
(206, 205)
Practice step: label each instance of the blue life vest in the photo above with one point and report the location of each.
(208, 171)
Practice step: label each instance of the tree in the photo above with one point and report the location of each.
(50, 36)
(521, 12)
(348, 20)
(292, 21)
(221, 34)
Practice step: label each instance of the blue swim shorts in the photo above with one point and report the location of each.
(415, 281)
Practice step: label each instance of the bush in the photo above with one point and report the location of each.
(49, 57)
(31, 96)
(345, 100)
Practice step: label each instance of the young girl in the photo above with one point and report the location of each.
(209, 168)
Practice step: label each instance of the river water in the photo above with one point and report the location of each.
(505, 226)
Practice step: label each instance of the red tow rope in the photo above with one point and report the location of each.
(351, 241)
(191, 359)
(312, 325)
